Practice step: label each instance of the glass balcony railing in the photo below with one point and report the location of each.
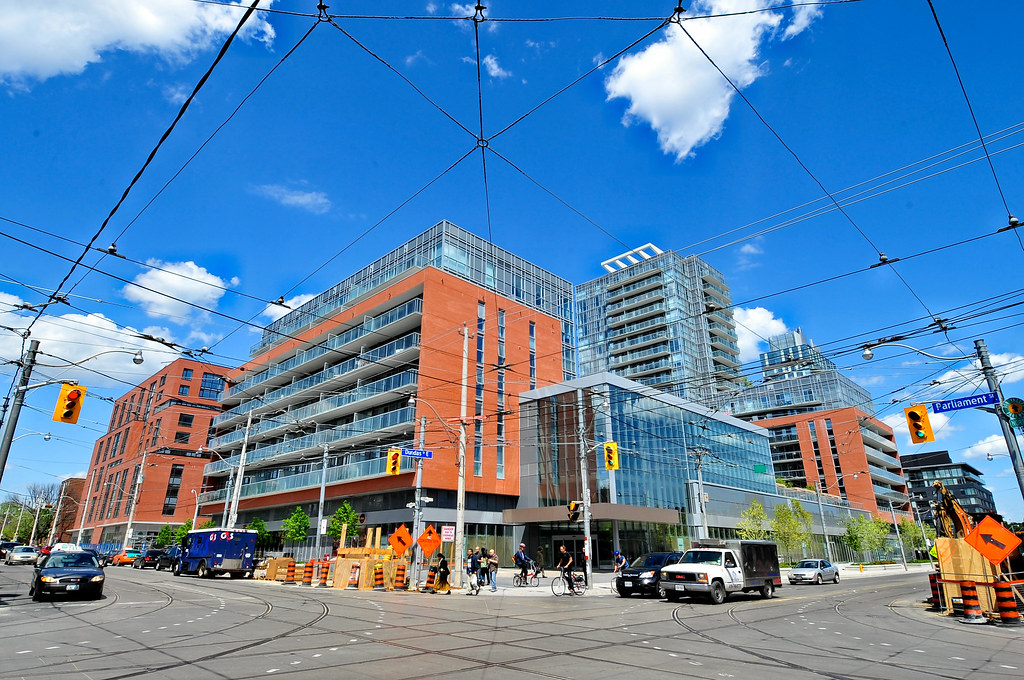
(886, 476)
(629, 302)
(351, 472)
(318, 379)
(662, 364)
(637, 313)
(630, 357)
(722, 329)
(369, 326)
(402, 416)
(639, 326)
(637, 285)
(294, 417)
(890, 494)
(882, 443)
(637, 340)
(718, 290)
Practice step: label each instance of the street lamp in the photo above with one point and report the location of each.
(45, 435)
(981, 354)
(195, 516)
(896, 526)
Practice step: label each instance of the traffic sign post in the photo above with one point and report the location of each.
(1014, 410)
(447, 533)
(973, 401)
(417, 453)
(400, 541)
(429, 540)
(994, 541)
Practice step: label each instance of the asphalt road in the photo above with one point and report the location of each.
(151, 623)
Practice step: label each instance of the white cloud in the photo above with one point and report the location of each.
(177, 94)
(672, 87)
(748, 253)
(1009, 367)
(186, 281)
(80, 33)
(431, 8)
(494, 69)
(413, 58)
(994, 444)
(315, 202)
(752, 326)
(76, 338)
(802, 18)
(274, 312)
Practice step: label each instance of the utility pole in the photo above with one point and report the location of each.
(1008, 433)
(585, 484)
(27, 362)
(417, 516)
(56, 515)
(824, 529)
(85, 510)
(899, 540)
(701, 506)
(460, 501)
(323, 490)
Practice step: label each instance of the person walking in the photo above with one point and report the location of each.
(492, 569)
(473, 571)
(442, 576)
(540, 562)
(482, 559)
(565, 567)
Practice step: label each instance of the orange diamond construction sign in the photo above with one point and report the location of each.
(992, 540)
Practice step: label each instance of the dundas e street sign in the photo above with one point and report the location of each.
(973, 401)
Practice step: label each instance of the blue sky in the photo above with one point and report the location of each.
(336, 159)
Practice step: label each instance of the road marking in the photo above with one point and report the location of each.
(317, 656)
(273, 670)
(885, 644)
(296, 663)
(1013, 668)
(919, 651)
(54, 647)
(25, 651)
(957, 658)
(145, 631)
(85, 642)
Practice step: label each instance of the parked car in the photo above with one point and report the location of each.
(148, 558)
(169, 558)
(644, 574)
(42, 553)
(77, 573)
(126, 556)
(814, 571)
(21, 554)
(107, 558)
(5, 546)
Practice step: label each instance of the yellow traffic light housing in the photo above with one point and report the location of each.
(918, 424)
(394, 462)
(69, 404)
(611, 456)
(574, 511)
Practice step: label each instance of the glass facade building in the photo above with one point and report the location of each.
(922, 470)
(662, 320)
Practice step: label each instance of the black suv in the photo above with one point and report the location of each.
(5, 546)
(148, 558)
(644, 574)
(168, 559)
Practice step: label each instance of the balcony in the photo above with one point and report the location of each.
(367, 363)
(890, 494)
(720, 343)
(636, 314)
(646, 369)
(409, 312)
(883, 475)
(878, 458)
(364, 469)
(727, 358)
(636, 286)
(719, 292)
(880, 442)
(633, 357)
(365, 429)
(723, 330)
(637, 342)
(635, 301)
(639, 326)
(360, 398)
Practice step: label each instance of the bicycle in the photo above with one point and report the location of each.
(558, 585)
(531, 577)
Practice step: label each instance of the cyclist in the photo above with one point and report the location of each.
(565, 566)
(522, 560)
(619, 562)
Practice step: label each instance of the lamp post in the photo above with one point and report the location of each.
(195, 515)
(981, 353)
(896, 526)
(323, 490)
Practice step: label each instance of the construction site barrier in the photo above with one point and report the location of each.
(378, 576)
(289, 574)
(1006, 605)
(353, 577)
(325, 570)
(936, 599)
(972, 608)
(307, 573)
(431, 579)
(400, 583)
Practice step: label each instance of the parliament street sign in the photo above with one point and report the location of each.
(417, 453)
(973, 401)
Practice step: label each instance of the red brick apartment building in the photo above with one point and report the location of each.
(334, 378)
(156, 431)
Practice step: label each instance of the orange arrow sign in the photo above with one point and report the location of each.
(429, 540)
(400, 541)
(992, 540)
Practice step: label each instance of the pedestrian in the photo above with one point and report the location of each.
(482, 558)
(442, 576)
(522, 560)
(492, 568)
(473, 571)
(540, 562)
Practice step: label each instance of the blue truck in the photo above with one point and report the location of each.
(208, 552)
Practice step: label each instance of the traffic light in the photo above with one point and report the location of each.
(394, 464)
(69, 404)
(918, 424)
(574, 511)
(611, 456)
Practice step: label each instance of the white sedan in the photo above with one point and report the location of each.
(22, 554)
(814, 571)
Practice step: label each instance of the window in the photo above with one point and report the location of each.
(173, 486)
(163, 379)
(185, 419)
(211, 386)
(156, 432)
(183, 390)
(181, 437)
(186, 374)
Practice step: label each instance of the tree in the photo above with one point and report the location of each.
(208, 524)
(179, 535)
(164, 537)
(855, 536)
(791, 525)
(751, 527)
(262, 535)
(342, 516)
(910, 533)
(878, 533)
(296, 527)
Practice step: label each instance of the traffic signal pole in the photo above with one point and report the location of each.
(585, 483)
(1008, 433)
(27, 362)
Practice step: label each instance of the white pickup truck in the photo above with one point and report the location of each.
(714, 569)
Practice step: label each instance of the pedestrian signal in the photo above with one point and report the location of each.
(394, 463)
(611, 456)
(574, 511)
(69, 404)
(918, 424)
